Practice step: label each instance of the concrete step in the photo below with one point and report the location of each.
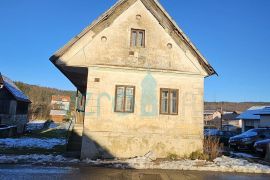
(78, 125)
(75, 140)
(75, 146)
(71, 139)
(73, 154)
(76, 132)
(81, 129)
(74, 150)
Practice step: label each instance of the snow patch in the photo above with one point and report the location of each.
(34, 158)
(65, 125)
(31, 143)
(35, 125)
(53, 125)
(221, 164)
(242, 155)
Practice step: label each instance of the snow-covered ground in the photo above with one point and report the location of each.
(64, 125)
(243, 155)
(35, 125)
(34, 158)
(53, 125)
(40, 142)
(31, 143)
(221, 164)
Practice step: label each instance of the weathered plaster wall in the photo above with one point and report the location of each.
(14, 119)
(107, 133)
(92, 49)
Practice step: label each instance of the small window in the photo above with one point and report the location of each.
(169, 101)
(137, 38)
(124, 99)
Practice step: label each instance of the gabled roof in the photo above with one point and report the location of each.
(230, 115)
(61, 98)
(264, 111)
(210, 112)
(158, 12)
(14, 90)
(251, 113)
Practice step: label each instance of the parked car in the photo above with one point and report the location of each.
(246, 140)
(222, 136)
(210, 132)
(233, 128)
(261, 146)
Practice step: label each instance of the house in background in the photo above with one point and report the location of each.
(14, 104)
(142, 80)
(60, 107)
(230, 121)
(212, 118)
(264, 116)
(251, 118)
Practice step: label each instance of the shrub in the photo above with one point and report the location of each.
(211, 147)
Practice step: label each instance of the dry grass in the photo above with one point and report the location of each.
(211, 147)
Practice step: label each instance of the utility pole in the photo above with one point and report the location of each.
(221, 117)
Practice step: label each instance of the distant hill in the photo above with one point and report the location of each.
(233, 106)
(41, 99)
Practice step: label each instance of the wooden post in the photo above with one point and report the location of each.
(267, 156)
(221, 117)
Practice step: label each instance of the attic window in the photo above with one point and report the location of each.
(137, 38)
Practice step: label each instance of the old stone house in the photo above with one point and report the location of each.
(142, 82)
(14, 104)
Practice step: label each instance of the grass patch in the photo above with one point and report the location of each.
(38, 134)
(172, 156)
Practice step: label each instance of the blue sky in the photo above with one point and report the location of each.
(234, 35)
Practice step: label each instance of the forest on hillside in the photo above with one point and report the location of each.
(41, 99)
(233, 106)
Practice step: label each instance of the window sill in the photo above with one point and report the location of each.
(123, 112)
(168, 114)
